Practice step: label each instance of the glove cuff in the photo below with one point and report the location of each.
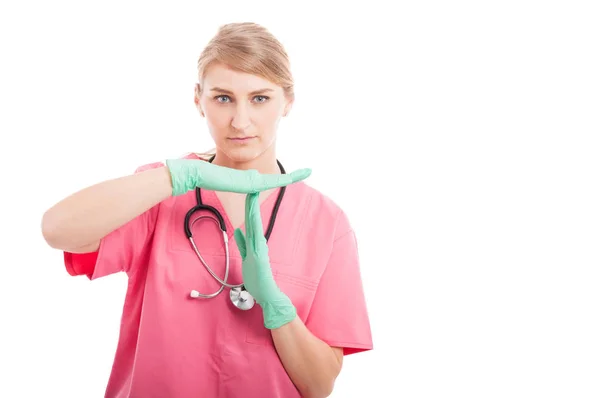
(278, 312)
(184, 175)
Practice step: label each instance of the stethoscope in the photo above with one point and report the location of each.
(238, 295)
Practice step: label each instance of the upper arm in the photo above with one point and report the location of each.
(92, 247)
(124, 249)
(339, 354)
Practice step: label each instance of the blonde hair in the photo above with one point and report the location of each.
(249, 48)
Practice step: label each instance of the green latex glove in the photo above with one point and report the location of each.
(256, 269)
(187, 174)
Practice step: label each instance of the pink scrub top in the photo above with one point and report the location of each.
(171, 345)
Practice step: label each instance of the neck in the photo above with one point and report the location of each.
(266, 163)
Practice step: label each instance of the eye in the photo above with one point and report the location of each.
(224, 97)
(262, 99)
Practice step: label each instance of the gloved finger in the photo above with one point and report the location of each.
(270, 181)
(253, 222)
(240, 241)
(299, 175)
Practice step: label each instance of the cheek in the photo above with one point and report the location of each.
(269, 116)
(217, 117)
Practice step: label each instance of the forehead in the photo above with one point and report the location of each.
(218, 75)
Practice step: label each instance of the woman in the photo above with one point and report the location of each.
(303, 275)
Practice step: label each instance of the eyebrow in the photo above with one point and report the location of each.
(261, 91)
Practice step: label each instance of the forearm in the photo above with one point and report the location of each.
(92, 213)
(311, 363)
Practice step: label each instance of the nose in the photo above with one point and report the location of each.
(241, 119)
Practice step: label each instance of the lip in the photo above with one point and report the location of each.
(240, 139)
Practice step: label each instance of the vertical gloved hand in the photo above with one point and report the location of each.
(256, 269)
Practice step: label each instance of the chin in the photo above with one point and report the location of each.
(242, 155)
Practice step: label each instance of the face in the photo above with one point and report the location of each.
(242, 112)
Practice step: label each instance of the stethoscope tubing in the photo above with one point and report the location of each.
(221, 224)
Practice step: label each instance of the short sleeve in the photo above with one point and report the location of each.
(123, 250)
(338, 315)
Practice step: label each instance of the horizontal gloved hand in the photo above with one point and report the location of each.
(187, 174)
(256, 269)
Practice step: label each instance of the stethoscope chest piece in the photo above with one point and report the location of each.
(241, 298)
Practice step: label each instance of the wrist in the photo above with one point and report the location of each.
(184, 175)
(278, 312)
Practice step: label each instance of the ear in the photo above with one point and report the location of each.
(288, 108)
(197, 99)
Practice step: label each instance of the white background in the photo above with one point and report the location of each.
(460, 137)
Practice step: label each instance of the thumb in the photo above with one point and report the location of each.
(241, 242)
